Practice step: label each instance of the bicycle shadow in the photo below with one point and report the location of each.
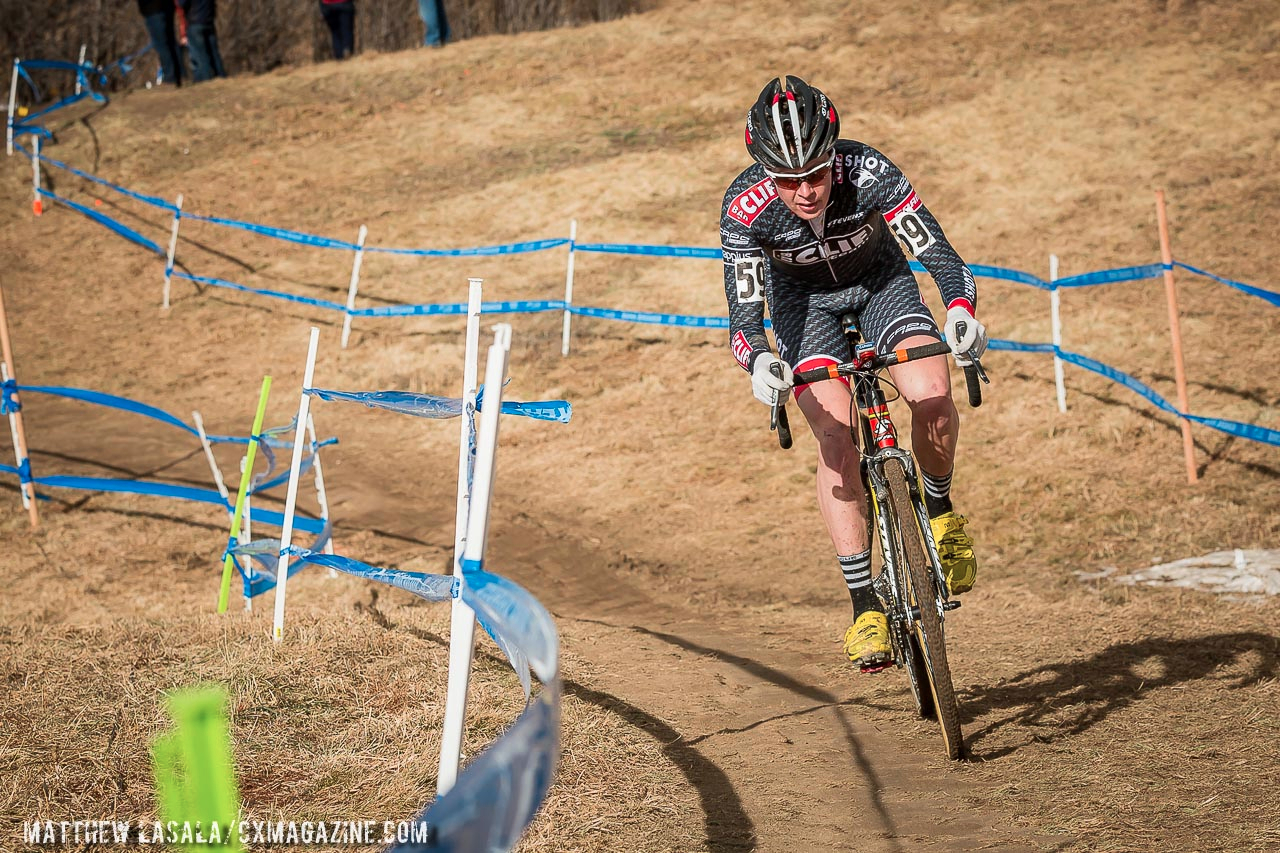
(1109, 681)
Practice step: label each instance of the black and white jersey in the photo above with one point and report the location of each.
(845, 260)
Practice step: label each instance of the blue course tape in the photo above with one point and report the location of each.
(1016, 346)
(35, 90)
(288, 297)
(431, 406)
(660, 251)
(330, 243)
(125, 63)
(1269, 295)
(529, 306)
(549, 410)
(649, 317)
(147, 199)
(65, 102)
(8, 402)
(138, 487)
(428, 586)
(33, 130)
(121, 229)
(268, 553)
(985, 271)
(404, 402)
(1090, 279)
(503, 249)
(99, 398)
(110, 401)
(163, 490)
(278, 233)
(1252, 432)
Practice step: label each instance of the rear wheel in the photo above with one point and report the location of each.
(922, 595)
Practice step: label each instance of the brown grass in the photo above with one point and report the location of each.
(1100, 718)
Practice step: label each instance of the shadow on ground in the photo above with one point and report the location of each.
(1059, 700)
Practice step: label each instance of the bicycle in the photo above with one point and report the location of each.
(911, 583)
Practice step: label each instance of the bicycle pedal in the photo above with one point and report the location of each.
(881, 666)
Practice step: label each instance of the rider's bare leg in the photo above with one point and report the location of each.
(841, 498)
(935, 424)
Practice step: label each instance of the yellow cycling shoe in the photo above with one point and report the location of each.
(955, 549)
(867, 641)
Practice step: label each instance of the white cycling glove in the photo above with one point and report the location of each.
(770, 389)
(969, 344)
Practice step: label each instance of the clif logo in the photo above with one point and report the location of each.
(752, 201)
(741, 349)
(827, 250)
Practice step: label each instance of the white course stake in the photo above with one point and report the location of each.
(1056, 319)
(173, 248)
(322, 497)
(246, 533)
(355, 285)
(462, 618)
(84, 48)
(463, 626)
(291, 497)
(37, 206)
(470, 376)
(13, 103)
(568, 289)
(213, 463)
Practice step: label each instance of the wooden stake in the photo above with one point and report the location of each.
(1179, 370)
(20, 432)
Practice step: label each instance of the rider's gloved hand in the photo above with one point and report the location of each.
(770, 389)
(969, 344)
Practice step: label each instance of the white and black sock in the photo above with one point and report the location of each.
(857, 576)
(937, 493)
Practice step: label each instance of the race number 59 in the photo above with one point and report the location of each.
(913, 232)
(908, 226)
(749, 274)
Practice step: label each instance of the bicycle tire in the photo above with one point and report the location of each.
(923, 595)
(906, 648)
(916, 669)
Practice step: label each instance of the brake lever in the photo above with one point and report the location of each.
(778, 414)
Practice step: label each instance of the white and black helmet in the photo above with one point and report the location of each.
(790, 126)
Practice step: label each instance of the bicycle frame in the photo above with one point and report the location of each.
(877, 440)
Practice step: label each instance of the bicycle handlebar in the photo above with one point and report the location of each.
(973, 374)
(876, 362)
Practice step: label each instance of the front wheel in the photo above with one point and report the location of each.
(922, 595)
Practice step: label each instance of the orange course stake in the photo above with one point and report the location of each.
(1179, 370)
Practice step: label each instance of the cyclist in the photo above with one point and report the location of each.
(806, 229)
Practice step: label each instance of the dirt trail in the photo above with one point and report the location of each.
(777, 749)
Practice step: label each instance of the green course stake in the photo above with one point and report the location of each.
(195, 777)
(225, 592)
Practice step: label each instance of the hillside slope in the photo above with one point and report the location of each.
(678, 547)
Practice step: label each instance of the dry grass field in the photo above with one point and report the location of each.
(707, 706)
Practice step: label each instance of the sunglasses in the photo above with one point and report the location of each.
(792, 181)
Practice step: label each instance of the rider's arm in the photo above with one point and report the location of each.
(745, 274)
(917, 229)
